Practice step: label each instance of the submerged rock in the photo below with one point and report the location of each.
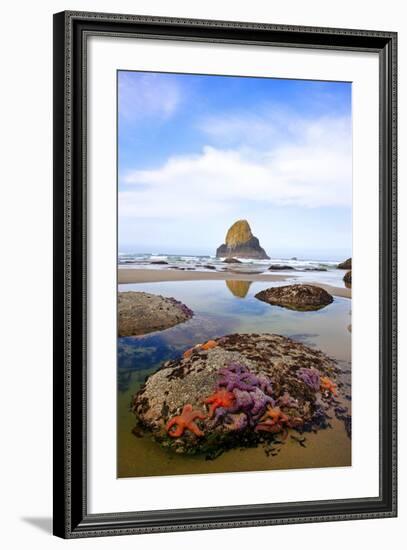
(158, 262)
(299, 297)
(236, 391)
(241, 242)
(278, 267)
(141, 313)
(347, 264)
(231, 261)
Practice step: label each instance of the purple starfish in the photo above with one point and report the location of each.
(265, 384)
(232, 379)
(243, 401)
(220, 415)
(253, 403)
(260, 402)
(237, 376)
(309, 377)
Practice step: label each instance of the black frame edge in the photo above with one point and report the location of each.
(59, 508)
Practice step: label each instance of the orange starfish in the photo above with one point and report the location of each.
(207, 345)
(185, 421)
(220, 398)
(188, 353)
(328, 385)
(274, 415)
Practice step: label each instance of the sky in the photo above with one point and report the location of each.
(198, 152)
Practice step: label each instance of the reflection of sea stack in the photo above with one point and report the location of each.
(238, 288)
(240, 242)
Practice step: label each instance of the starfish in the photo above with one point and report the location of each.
(207, 345)
(237, 376)
(268, 426)
(188, 352)
(272, 421)
(185, 421)
(252, 403)
(265, 384)
(260, 402)
(328, 385)
(310, 377)
(220, 398)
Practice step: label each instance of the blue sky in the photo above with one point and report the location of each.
(196, 153)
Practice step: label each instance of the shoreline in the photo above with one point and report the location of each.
(134, 276)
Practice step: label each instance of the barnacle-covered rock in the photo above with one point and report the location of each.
(245, 388)
(298, 297)
(141, 313)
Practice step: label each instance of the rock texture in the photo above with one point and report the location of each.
(141, 313)
(347, 264)
(236, 390)
(348, 279)
(231, 261)
(279, 267)
(240, 242)
(298, 297)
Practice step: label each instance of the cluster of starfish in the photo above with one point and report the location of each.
(328, 386)
(316, 382)
(210, 344)
(242, 398)
(237, 376)
(310, 377)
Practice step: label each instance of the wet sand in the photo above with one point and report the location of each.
(132, 276)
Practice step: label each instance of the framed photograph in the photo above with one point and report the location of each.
(225, 274)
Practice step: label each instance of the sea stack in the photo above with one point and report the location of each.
(240, 242)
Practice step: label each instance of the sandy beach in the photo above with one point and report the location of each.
(132, 276)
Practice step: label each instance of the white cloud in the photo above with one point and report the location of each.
(146, 94)
(312, 170)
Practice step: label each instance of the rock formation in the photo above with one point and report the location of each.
(347, 264)
(279, 267)
(298, 297)
(231, 261)
(141, 313)
(237, 390)
(348, 279)
(240, 242)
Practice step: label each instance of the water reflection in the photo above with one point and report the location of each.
(238, 288)
(219, 309)
(148, 353)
